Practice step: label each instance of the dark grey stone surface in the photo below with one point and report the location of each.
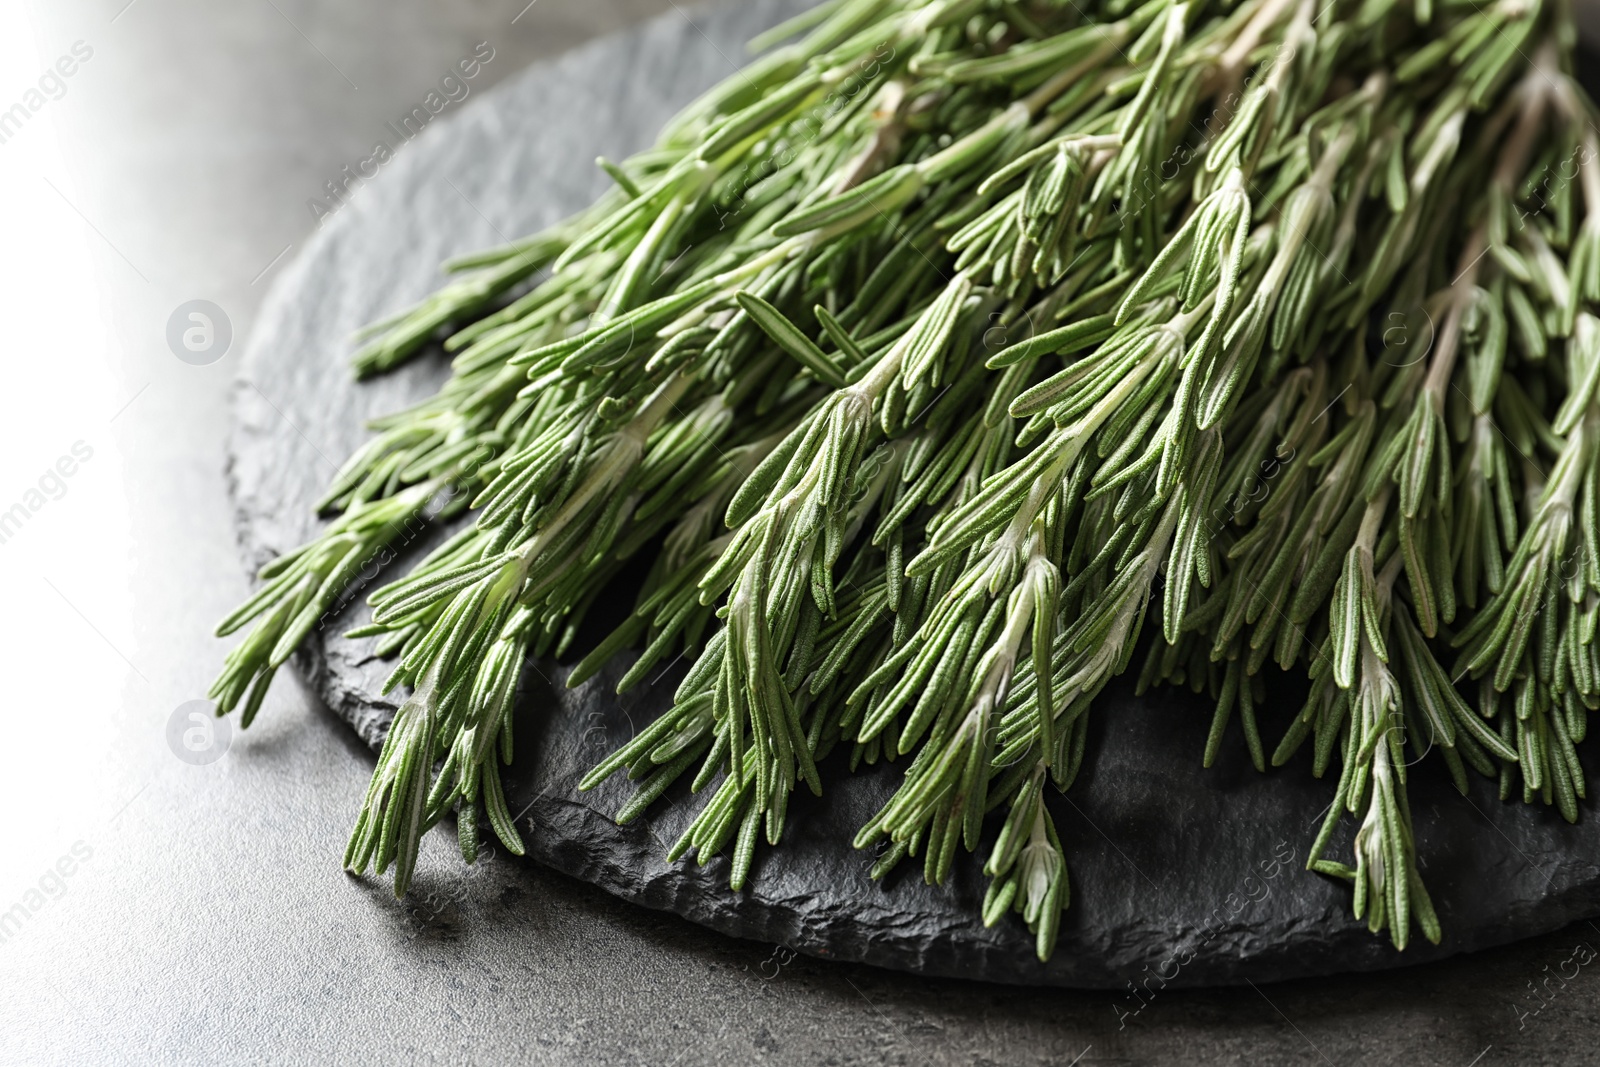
(1181, 877)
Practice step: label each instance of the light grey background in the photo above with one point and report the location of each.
(211, 922)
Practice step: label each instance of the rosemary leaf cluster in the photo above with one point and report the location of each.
(959, 356)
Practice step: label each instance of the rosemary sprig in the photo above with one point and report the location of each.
(955, 349)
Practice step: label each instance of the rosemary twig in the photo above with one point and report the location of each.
(955, 350)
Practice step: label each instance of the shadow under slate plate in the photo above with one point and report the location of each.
(1198, 876)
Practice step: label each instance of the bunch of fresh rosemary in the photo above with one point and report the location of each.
(929, 357)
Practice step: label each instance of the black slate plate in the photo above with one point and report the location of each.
(1180, 876)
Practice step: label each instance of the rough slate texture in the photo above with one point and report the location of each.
(1193, 875)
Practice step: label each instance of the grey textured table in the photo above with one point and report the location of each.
(175, 912)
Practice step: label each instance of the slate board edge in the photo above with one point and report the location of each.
(758, 919)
